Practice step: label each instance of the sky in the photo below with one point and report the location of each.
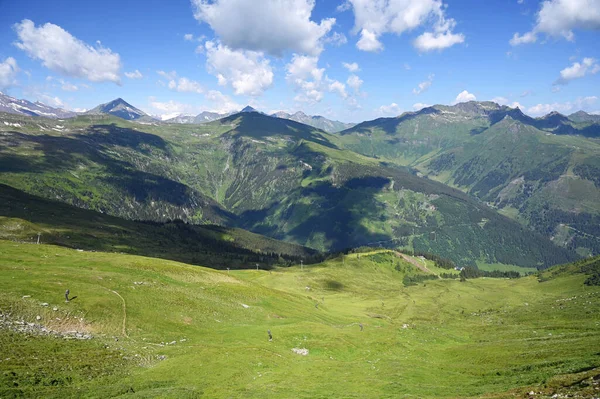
(349, 60)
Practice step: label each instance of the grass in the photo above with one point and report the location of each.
(440, 338)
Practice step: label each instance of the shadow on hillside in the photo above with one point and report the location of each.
(84, 152)
(337, 215)
(212, 246)
(125, 137)
(259, 126)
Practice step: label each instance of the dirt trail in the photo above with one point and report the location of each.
(414, 262)
(124, 330)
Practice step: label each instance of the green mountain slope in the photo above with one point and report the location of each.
(272, 176)
(541, 172)
(164, 329)
(23, 217)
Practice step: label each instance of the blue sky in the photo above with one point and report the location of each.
(187, 56)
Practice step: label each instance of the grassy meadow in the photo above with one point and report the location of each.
(167, 329)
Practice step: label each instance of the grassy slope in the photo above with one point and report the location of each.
(461, 339)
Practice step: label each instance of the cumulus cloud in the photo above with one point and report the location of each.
(8, 72)
(589, 66)
(429, 41)
(215, 102)
(351, 67)
(558, 18)
(247, 72)
(185, 85)
(339, 88)
(310, 81)
(63, 53)
(529, 37)
(354, 82)
(423, 86)
(188, 37)
(566, 107)
(182, 85)
(392, 109)
(373, 18)
(274, 27)
(368, 41)
(464, 96)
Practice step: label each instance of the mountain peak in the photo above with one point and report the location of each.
(248, 108)
(119, 107)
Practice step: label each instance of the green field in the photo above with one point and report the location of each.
(166, 329)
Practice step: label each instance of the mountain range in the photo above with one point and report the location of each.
(476, 182)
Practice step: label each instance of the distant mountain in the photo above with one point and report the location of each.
(203, 117)
(23, 107)
(183, 119)
(317, 121)
(207, 116)
(542, 172)
(582, 116)
(120, 108)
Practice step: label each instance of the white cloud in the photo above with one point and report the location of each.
(8, 72)
(221, 103)
(589, 66)
(182, 85)
(420, 106)
(392, 109)
(558, 18)
(407, 66)
(248, 72)
(423, 86)
(134, 75)
(63, 53)
(170, 109)
(351, 67)
(506, 101)
(355, 83)
(566, 107)
(437, 41)
(368, 41)
(274, 27)
(339, 88)
(188, 37)
(303, 72)
(217, 102)
(529, 37)
(336, 39)
(168, 75)
(464, 96)
(185, 85)
(373, 18)
(310, 81)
